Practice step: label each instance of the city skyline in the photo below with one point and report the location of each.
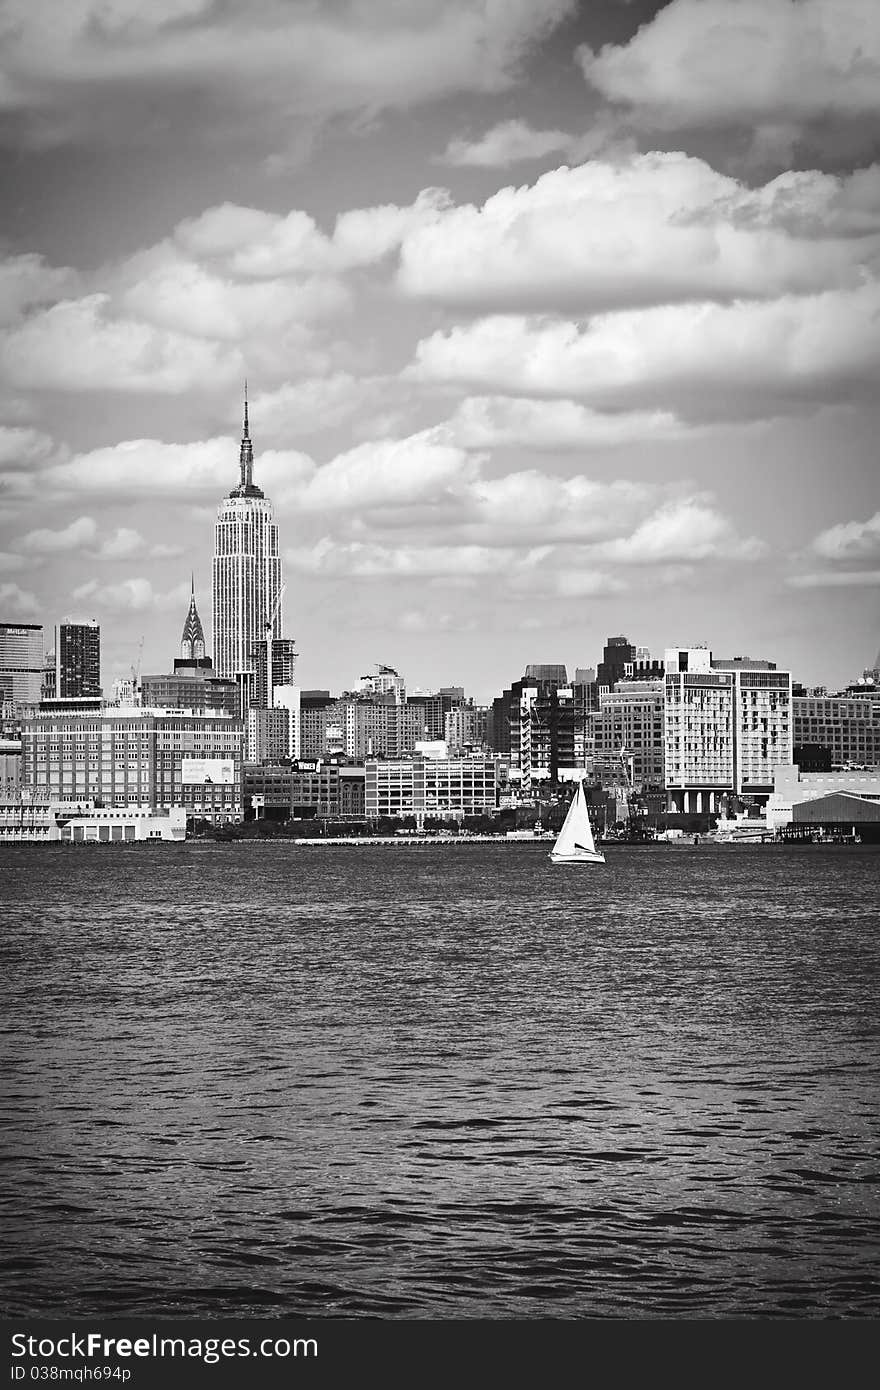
(555, 328)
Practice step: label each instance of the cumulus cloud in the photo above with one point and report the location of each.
(654, 229)
(22, 447)
(688, 530)
(850, 540)
(29, 280)
(313, 404)
(78, 345)
(486, 422)
(745, 358)
(74, 536)
(150, 467)
(98, 63)
(18, 602)
(777, 64)
(388, 472)
(129, 595)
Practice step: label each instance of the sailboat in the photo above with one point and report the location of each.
(575, 843)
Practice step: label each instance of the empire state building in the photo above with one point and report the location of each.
(246, 574)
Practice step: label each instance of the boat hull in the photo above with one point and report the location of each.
(594, 858)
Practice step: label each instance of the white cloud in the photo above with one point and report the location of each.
(97, 62)
(27, 280)
(313, 404)
(688, 530)
(74, 536)
(836, 579)
(509, 142)
(485, 422)
(368, 560)
(515, 141)
(744, 358)
(149, 467)
(769, 62)
(22, 447)
(77, 345)
(123, 543)
(388, 472)
(653, 229)
(850, 540)
(18, 602)
(129, 595)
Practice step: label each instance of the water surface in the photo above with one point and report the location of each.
(262, 1079)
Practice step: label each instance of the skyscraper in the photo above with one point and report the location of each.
(77, 660)
(246, 575)
(21, 662)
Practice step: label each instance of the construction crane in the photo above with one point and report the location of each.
(270, 623)
(136, 670)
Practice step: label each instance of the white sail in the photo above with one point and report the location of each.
(575, 843)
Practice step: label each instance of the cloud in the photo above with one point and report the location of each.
(850, 540)
(75, 536)
(515, 141)
(130, 595)
(654, 229)
(721, 361)
(486, 422)
(369, 560)
(77, 345)
(509, 142)
(97, 63)
(313, 404)
(388, 472)
(689, 531)
(22, 447)
(836, 579)
(124, 543)
(775, 64)
(17, 602)
(149, 467)
(251, 244)
(28, 280)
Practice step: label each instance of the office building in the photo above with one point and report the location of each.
(77, 660)
(727, 726)
(246, 574)
(629, 735)
(845, 727)
(136, 756)
(21, 663)
(431, 788)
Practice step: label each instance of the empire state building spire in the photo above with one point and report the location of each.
(246, 486)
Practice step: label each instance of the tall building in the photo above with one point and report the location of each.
(246, 573)
(21, 663)
(77, 660)
(192, 685)
(629, 733)
(727, 726)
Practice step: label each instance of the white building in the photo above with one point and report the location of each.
(268, 735)
(29, 819)
(629, 733)
(727, 726)
(246, 574)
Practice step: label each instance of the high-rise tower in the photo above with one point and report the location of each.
(246, 576)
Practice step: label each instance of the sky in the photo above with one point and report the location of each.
(560, 321)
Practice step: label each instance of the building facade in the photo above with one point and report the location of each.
(727, 727)
(21, 663)
(246, 573)
(629, 734)
(847, 727)
(77, 660)
(137, 756)
(438, 788)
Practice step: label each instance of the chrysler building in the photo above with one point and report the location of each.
(246, 575)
